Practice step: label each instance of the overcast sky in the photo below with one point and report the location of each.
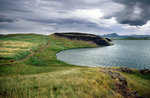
(90, 16)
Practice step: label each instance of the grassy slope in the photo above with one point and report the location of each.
(18, 46)
(139, 82)
(44, 76)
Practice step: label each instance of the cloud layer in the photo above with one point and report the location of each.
(136, 12)
(91, 16)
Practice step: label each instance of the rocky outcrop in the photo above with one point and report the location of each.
(144, 71)
(121, 86)
(85, 37)
(127, 70)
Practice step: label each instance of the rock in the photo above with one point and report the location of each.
(144, 71)
(122, 85)
(127, 70)
(123, 80)
(115, 75)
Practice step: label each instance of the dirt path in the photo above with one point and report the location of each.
(34, 53)
(121, 85)
(30, 55)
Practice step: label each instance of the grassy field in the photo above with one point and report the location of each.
(43, 76)
(18, 46)
(139, 82)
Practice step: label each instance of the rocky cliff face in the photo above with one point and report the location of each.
(85, 37)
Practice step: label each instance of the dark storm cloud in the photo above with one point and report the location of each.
(136, 12)
(5, 19)
(58, 21)
(64, 21)
(22, 11)
(70, 23)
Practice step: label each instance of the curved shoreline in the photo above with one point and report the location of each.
(76, 61)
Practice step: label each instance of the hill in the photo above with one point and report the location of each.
(85, 37)
(134, 36)
(111, 35)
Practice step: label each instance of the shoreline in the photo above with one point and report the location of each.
(101, 66)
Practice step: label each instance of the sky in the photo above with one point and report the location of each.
(123, 17)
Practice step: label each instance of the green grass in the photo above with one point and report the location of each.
(44, 61)
(18, 46)
(76, 83)
(42, 75)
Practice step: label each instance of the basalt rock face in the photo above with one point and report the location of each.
(85, 37)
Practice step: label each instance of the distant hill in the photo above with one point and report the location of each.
(111, 35)
(135, 36)
(116, 36)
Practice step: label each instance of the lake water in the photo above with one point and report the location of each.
(125, 53)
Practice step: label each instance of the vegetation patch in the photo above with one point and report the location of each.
(139, 82)
(18, 46)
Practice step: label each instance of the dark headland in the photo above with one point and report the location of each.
(85, 37)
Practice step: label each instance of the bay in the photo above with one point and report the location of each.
(124, 53)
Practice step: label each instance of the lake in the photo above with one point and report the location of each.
(124, 53)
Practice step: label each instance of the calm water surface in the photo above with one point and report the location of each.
(125, 53)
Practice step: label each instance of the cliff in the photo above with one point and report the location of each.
(85, 37)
